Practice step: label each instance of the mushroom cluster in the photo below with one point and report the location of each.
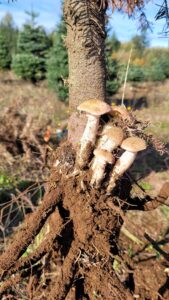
(109, 140)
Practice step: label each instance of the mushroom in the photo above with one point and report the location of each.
(111, 138)
(132, 145)
(94, 109)
(103, 157)
(122, 111)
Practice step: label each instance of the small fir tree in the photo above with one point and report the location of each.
(112, 83)
(136, 73)
(33, 44)
(5, 57)
(57, 64)
(140, 43)
(8, 39)
(154, 71)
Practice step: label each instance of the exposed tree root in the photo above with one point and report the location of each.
(10, 282)
(47, 243)
(154, 203)
(62, 284)
(110, 287)
(82, 243)
(31, 228)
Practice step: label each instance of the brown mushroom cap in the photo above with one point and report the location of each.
(120, 110)
(115, 134)
(105, 155)
(134, 144)
(94, 107)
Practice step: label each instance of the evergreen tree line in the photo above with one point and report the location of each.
(34, 55)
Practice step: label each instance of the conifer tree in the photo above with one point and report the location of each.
(33, 44)
(140, 43)
(8, 38)
(57, 65)
(5, 58)
(112, 84)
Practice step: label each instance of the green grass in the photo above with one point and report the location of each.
(6, 182)
(146, 186)
(38, 240)
(164, 125)
(165, 211)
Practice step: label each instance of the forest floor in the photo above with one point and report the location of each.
(29, 113)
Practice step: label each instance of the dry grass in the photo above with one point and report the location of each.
(156, 96)
(35, 105)
(35, 101)
(155, 93)
(158, 115)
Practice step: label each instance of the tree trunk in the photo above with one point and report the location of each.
(85, 21)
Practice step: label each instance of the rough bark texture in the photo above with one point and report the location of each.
(85, 42)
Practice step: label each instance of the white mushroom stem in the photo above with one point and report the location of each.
(99, 175)
(104, 141)
(88, 140)
(104, 144)
(90, 132)
(121, 166)
(108, 143)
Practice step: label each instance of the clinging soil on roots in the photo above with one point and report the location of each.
(78, 254)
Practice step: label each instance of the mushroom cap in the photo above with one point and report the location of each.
(120, 110)
(94, 107)
(134, 144)
(115, 134)
(105, 155)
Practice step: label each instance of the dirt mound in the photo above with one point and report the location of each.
(78, 256)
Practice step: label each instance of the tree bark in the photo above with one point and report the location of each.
(85, 21)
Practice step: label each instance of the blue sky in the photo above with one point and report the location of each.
(50, 12)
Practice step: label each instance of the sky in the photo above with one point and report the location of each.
(50, 12)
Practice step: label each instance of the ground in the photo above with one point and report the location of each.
(142, 260)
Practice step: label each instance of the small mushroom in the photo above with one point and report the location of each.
(132, 145)
(111, 138)
(103, 157)
(121, 110)
(94, 109)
